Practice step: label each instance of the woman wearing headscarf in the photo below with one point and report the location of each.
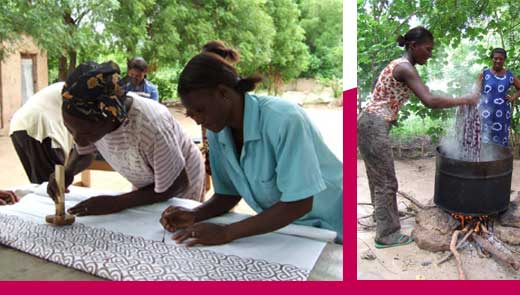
(138, 137)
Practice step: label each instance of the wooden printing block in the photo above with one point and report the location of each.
(60, 218)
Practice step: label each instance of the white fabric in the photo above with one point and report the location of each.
(308, 232)
(144, 222)
(41, 117)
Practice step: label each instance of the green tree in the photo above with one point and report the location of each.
(465, 32)
(290, 54)
(244, 25)
(146, 28)
(379, 24)
(322, 21)
(270, 35)
(65, 28)
(172, 31)
(12, 25)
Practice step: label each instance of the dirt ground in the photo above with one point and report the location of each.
(409, 262)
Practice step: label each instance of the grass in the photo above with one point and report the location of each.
(417, 126)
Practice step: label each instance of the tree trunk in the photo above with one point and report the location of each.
(73, 54)
(278, 83)
(275, 83)
(62, 68)
(269, 81)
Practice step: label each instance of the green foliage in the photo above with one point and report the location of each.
(166, 81)
(244, 25)
(322, 21)
(415, 125)
(465, 32)
(290, 54)
(379, 24)
(11, 25)
(435, 133)
(279, 39)
(144, 28)
(335, 84)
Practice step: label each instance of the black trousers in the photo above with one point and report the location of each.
(38, 158)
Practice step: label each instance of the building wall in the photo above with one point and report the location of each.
(11, 79)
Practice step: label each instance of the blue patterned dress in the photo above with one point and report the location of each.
(494, 109)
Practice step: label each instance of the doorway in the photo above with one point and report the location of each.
(28, 76)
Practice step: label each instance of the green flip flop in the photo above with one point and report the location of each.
(403, 240)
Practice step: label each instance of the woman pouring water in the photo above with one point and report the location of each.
(398, 80)
(495, 104)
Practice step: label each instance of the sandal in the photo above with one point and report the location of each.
(401, 241)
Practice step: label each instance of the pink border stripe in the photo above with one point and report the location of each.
(349, 184)
(188, 288)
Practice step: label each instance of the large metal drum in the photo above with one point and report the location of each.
(474, 188)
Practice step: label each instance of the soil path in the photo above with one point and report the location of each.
(417, 177)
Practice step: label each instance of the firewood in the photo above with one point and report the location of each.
(501, 256)
(413, 200)
(481, 252)
(459, 244)
(456, 254)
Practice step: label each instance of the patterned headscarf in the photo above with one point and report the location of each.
(92, 92)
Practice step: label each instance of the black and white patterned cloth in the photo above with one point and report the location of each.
(117, 256)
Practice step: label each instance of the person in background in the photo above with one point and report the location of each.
(39, 135)
(263, 149)
(396, 83)
(495, 104)
(138, 137)
(136, 79)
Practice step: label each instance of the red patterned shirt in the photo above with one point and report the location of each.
(389, 94)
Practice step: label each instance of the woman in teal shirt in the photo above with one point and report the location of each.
(263, 149)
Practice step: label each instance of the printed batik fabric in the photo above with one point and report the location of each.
(494, 109)
(120, 257)
(468, 136)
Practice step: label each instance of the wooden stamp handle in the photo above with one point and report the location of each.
(59, 172)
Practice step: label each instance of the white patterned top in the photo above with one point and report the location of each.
(152, 148)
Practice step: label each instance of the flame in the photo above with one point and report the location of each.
(479, 221)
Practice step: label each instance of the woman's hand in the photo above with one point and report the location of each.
(204, 234)
(52, 186)
(8, 198)
(510, 98)
(175, 217)
(98, 205)
(471, 98)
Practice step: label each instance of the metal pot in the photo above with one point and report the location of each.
(474, 188)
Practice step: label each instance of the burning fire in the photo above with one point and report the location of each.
(476, 223)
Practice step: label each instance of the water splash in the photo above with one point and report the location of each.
(463, 141)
